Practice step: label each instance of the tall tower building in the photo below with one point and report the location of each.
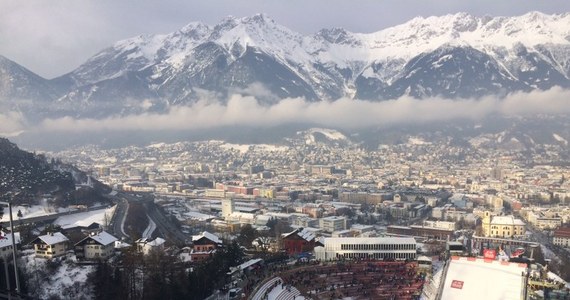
(227, 207)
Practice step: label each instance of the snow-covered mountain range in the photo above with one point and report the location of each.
(450, 56)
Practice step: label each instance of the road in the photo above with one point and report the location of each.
(118, 219)
(164, 226)
(167, 229)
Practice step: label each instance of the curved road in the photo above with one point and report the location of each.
(118, 219)
(164, 226)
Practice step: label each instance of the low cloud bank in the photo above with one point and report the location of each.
(343, 113)
(11, 123)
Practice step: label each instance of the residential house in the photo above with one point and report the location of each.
(298, 241)
(51, 245)
(146, 245)
(95, 246)
(204, 245)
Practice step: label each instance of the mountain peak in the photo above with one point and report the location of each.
(259, 18)
(194, 27)
(337, 35)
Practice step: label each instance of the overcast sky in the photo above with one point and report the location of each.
(54, 37)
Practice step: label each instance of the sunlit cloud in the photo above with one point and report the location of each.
(11, 124)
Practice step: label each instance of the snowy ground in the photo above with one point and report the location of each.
(64, 280)
(100, 216)
(481, 279)
(149, 229)
(31, 211)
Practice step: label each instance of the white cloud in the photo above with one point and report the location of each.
(11, 123)
(343, 113)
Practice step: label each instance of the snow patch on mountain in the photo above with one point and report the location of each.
(244, 148)
(560, 139)
(331, 134)
(417, 141)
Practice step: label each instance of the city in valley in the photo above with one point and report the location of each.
(293, 202)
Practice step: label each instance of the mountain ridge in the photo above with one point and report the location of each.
(424, 57)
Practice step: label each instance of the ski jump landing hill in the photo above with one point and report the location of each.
(478, 278)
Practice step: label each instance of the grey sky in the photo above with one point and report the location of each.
(53, 37)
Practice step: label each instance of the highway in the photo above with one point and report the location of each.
(164, 227)
(167, 229)
(118, 219)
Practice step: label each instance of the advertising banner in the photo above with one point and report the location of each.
(457, 284)
(489, 253)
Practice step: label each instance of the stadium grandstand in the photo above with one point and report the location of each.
(354, 279)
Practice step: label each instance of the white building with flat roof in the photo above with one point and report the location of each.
(367, 247)
(333, 223)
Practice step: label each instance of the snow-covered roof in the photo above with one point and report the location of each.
(212, 237)
(475, 278)
(519, 222)
(121, 244)
(506, 220)
(156, 242)
(53, 238)
(306, 234)
(249, 263)
(264, 217)
(103, 238)
(6, 239)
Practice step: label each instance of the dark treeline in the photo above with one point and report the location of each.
(159, 275)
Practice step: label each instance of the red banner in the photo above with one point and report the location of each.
(456, 284)
(489, 253)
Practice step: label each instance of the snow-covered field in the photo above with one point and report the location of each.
(100, 216)
(32, 211)
(64, 280)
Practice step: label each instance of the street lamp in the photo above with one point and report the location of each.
(13, 245)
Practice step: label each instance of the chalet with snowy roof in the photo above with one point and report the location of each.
(6, 244)
(204, 245)
(95, 246)
(562, 237)
(298, 241)
(146, 245)
(51, 245)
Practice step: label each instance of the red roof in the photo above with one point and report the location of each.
(562, 232)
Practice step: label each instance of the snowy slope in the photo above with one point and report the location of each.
(331, 60)
(455, 55)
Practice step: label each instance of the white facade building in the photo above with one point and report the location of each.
(145, 245)
(99, 245)
(370, 248)
(51, 245)
(228, 208)
(333, 223)
(440, 225)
